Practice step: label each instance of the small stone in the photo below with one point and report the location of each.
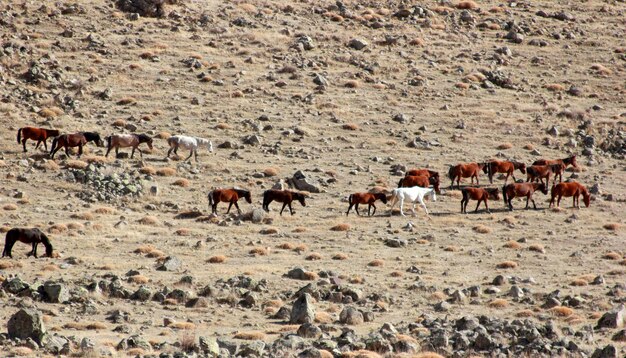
(351, 316)
(498, 280)
(442, 306)
(55, 292)
(171, 263)
(309, 330)
(516, 292)
(357, 44)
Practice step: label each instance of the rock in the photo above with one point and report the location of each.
(607, 352)
(57, 345)
(310, 353)
(595, 189)
(598, 280)
(252, 140)
(87, 344)
(15, 285)
(26, 323)
(498, 280)
(357, 44)
(442, 306)
(209, 346)
(551, 302)
(297, 273)
(303, 310)
(320, 80)
(142, 294)
(171, 263)
(616, 318)
(396, 242)
(553, 131)
(351, 316)
(227, 145)
(458, 297)
(620, 336)
(483, 342)
(252, 349)
(400, 118)
(309, 330)
(55, 292)
(146, 8)
(283, 313)
(306, 42)
(302, 184)
(257, 215)
(516, 292)
(134, 341)
(514, 37)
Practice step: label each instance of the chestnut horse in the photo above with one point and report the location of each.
(508, 167)
(230, 196)
(38, 134)
(423, 172)
(282, 196)
(511, 191)
(74, 140)
(419, 180)
(566, 161)
(365, 198)
(572, 189)
(465, 170)
(480, 194)
(118, 141)
(32, 236)
(538, 172)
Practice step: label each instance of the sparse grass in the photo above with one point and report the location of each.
(286, 246)
(555, 87)
(82, 216)
(83, 326)
(498, 303)
(323, 317)
(163, 135)
(269, 231)
(513, 245)
(561, 311)
(250, 336)
(467, 5)
(166, 172)
(119, 123)
(57, 228)
(537, 248)
(504, 146)
(310, 276)
(299, 229)
(579, 282)
(51, 165)
(396, 274)
(148, 220)
(182, 182)
(76, 164)
(138, 279)
(22, 351)
(524, 314)
(451, 248)
(612, 226)
(314, 256)
(340, 256)
(507, 265)
(376, 263)
(341, 227)
(217, 259)
(612, 256)
(352, 84)
(601, 69)
(148, 170)
(482, 229)
(259, 251)
(428, 355)
(50, 112)
(183, 325)
(9, 207)
(127, 101)
(104, 210)
(75, 226)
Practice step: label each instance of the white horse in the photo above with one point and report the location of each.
(412, 195)
(186, 142)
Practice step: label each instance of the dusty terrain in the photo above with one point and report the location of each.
(234, 69)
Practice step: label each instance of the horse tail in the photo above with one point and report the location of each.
(19, 135)
(54, 144)
(451, 173)
(350, 199)
(108, 141)
(210, 198)
(400, 183)
(46, 242)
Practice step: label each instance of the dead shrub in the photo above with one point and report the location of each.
(513, 245)
(579, 282)
(218, 259)
(75, 226)
(286, 246)
(529, 147)
(138, 279)
(57, 228)
(323, 317)
(51, 165)
(148, 220)
(183, 325)
(270, 172)
(396, 274)
(182, 182)
(467, 5)
(250, 336)
(451, 248)
(104, 210)
(82, 216)
(352, 84)
(4, 229)
(601, 69)
(507, 265)
(156, 254)
(148, 170)
(135, 66)
(300, 248)
(76, 164)
(341, 227)
(310, 276)
(428, 355)
(183, 232)
(9, 207)
(612, 256)
(524, 314)
(437, 296)
(356, 280)
(554, 87)
(482, 229)
(623, 262)
(50, 112)
(82, 326)
(127, 101)
(22, 351)
(612, 226)
(259, 251)
(537, 248)
(376, 263)
(313, 257)
(166, 172)
(498, 303)
(561, 311)
(223, 126)
(417, 42)
(299, 229)
(462, 85)
(504, 146)
(163, 135)
(340, 256)
(350, 126)
(120, 123)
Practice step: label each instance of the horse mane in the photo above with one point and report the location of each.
(242, 192)
(91, 135)
(143, 137)
(46, 242)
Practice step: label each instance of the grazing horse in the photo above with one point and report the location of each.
(572, 189)
(413, 195)
(38, 134)
(480, 194)
(282, 196)
(28, 236)
(74, 140)
(566, 161)
(228, 196)
(127, 140)
(423, 172)
(365, 198)
(496, 166)
(186, 142)
(511, 191)
(418, 180)
(465, 170)
(538, 172)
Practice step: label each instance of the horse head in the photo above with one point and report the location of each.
(485, 167)
(382, 197)
(433, 195)
(520, 166)
(543, 188)
(494, 193)
(572, 161)
(586, 196)
(247, 196)
(95, 137)
(54, 132)
(300, 198)
(144, 138)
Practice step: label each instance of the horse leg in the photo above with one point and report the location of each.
(190, 154)
(214, 208)
(237, 206)
(8, 246)
(477, 182)
(34, 250)
(531, 199)
(478, 205)
(487, 206)
(373, 212)
(458, 182)
(510, 203)
(423, 205)
(108, 150)
(558, 200)
(349, 207)
(45, 146)
(283, 208)
(66, 151)
(290, 209)
(195, 155)
(24, 144)
(170, 151)
(229, 206)
(117, 151)
(356, 208)
(80, 150)
(401, 205)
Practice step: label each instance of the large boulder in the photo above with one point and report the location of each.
(616, 318)
(55, 292)
(303, 310)
(26, 323)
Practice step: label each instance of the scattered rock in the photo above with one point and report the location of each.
(303, 310)
(351, 316)
(171, 263)
(26, 323)
(357, 44)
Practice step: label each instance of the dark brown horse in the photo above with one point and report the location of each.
(282, 196)
(480, 194)
(465, 170)
(74, 140)
(365, 198)
(508, 167)
(418, 180)
(32, 236)
(423, 172)
(38, 134)
(566, 161)
(230, 196)
(572, 189)
(538, 172)
(514, 190)
(118, 141)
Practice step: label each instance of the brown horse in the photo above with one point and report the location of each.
(508, 167)
(418, 180)
(566, 161)
(465, 170)
(118, 141)
(230, 196)
(423, 172)
(282, 196)
(572, 189)
(74, 140)
(511, 191)
(32, 236)
(365, 198)
(38, 134)
(538, 172)
(480, 194)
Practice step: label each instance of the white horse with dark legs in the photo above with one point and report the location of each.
(413, 195)
(190, 143)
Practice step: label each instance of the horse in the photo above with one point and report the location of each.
(186, 142)
(127, 140)
(413, 195)
(32, 236)
(74, 140)
(511, 191)
(365, 198)
(538, 172)
(480, 194)
(565, 161)
(282, 196)
(38, 134)
(573, 189)
(230, 196)
(508, 167)
(423, 172)
(418, 180)
(465, 170)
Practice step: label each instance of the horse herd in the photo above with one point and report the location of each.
(414, 187)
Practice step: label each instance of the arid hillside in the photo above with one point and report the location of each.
(328, 99)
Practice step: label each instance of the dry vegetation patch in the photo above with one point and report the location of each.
(376, 263)
(482, 229)
(148, 220)
(498, 303)
(217, 259)
(166, 172)
(507, 265)
(341, 227)
(249, 336)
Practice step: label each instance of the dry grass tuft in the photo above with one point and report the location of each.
(513, 245)
(612, 226)
(217, 259)
(22, 351)
(299, 229)
(51, 165)
(350, 126)
(376, 263)
(623, 262)
(166, 172)
(314, 256)
(323, 317)
(524, 314)
(104, 210)
(4, 229)
(250, 336)
(182, 325)
(183, 183)
(163, 135)
(259, 251)
(356, 280)
(148, 220)
(555, 87)
(50, 112)
(352, 84)
(562, 311)
(504, 146)
(300, 248)
(183, 232)
(612, 256)
(537, 248)
(286, 246)
(451, 248)
(396, 274)
(144, 249)
(148, 170)
(579, 282)
(135, 352)
(76, 164)
(462, 85)
(482, 229)
(139, 279)
(601, 69)
(310, 276)
(120, 123)
(271, 172)
(427, 355)
(467, 5)
(82, 326)
(340, 256)
(9, 207)
(269, 231)
(57, 228)
(417, 42)
(507, 265)
(498, 303)
(82, 216)
(127, 101)
(75, 226)
(341, 227)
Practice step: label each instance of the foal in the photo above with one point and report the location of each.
(38, 134)
(127, 140)
(413, 195)
(480, 194)
(230, 196)
(508, 167)
(74, 140)
(565, 161)
(572, 189)
(365, 198)
(32, 236)
(466, 170)
(511, 191)
(186, 142)
(418, 180)
(282, 196)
